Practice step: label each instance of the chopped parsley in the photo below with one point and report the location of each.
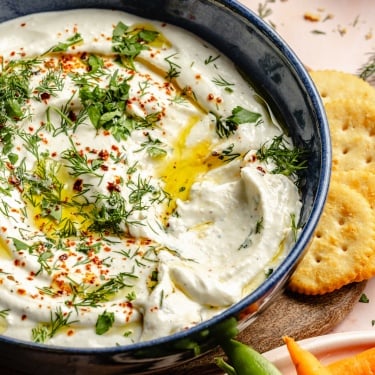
(226, 127)
(128, 43)
(104, 322)
(363, 298)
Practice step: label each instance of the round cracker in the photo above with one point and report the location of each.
(361, 181)
(352, 126)
(342, 245)
(333, 85)
(364, 183)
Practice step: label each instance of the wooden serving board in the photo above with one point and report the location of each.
(298, 316)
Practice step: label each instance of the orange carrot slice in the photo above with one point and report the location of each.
(304, 362)
(360, 364)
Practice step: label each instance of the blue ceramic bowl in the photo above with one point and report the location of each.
(281, 78)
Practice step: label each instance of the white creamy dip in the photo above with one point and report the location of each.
(134, 199)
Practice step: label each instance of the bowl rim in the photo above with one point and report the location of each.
(287, 265)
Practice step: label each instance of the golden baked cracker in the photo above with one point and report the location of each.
(362, 181)
(333, 85)
(342, 245)
(352, 126)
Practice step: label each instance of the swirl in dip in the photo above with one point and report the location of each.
(145, 187)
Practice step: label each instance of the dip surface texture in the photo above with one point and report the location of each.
(139, 194)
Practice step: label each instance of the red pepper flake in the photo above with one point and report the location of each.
(45, 96)
(23, 317)
(78, 185)
(72, 116)
(111, 187)
(70, 332)
(261, 169)
(210, 97)
(63, 257)
(23, 24)
(21, 292)
(103, 154)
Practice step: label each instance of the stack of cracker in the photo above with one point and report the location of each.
(343, 248)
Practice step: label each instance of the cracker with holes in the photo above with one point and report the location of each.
(359, 180)
(342, 245)
(333, 85)
(352, 125)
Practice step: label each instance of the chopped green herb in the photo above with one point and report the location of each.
(288, 161)
(129, 43)
(318, 32)
(174, 69)
(268, 272)
(220, 81)
(264, 10)
(364, 298)
(45, 331)
(226, 127)
(210, 59)
(104, 322)
(367, 72)
(259, 225)
(64, 46)
(227, 154)
(4, 313)
(103, 293)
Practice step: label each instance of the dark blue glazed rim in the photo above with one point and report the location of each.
(278, 74)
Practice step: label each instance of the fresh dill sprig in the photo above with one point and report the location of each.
(227, 155)
(4, 313)
(210, 59)
(78, 163)
(174, 70)
(109, 213)
(94, 297)
(220, 81)
(45, 331)
(14, 93)
(153, 147)
(51, 83)
(288, 161)
(64, 46)
(367, 72)
(264, 10)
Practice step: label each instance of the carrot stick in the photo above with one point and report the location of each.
(304, 362)
(360, 364)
